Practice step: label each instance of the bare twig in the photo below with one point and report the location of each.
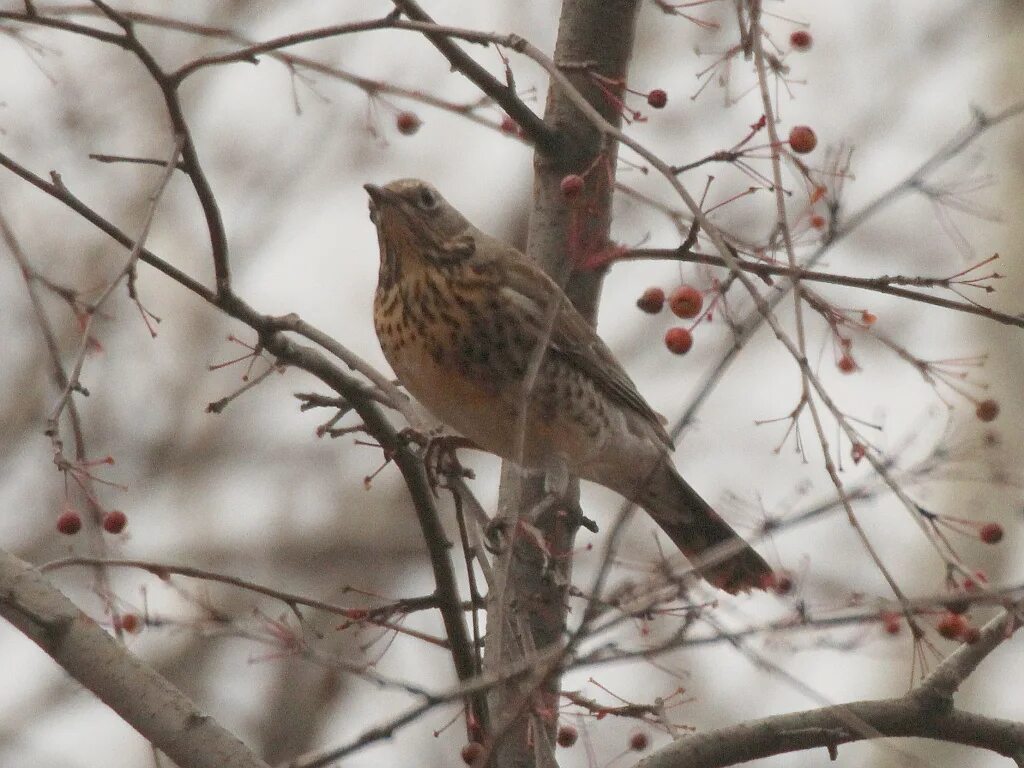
(891, 285)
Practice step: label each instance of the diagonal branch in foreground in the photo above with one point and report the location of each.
(140, 695)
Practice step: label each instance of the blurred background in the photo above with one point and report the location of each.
(253, 493)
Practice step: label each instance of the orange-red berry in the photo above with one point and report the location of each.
(678, 340)
(686, 301)
(846, 364)
(651, 301)
(69, 523)
(508, 125)
(129, 622)
(472, 751)
(408, 123)
(987, 410)
(571, 185)
(801, 40)
(818, 221)
(868, 318)
(991, 533)
(567, 736)
(802, 139)
(657, 98)
(951, 625)
(114, 521)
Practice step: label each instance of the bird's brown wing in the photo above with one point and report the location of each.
(574, 340)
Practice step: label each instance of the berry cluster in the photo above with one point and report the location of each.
(686, 302)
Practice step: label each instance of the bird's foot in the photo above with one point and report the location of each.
(329, 428)
(439, 455)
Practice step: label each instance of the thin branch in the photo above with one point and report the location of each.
(249, 53)
(66, 26)
(293, 62)
(536, 130)
(376, 616)
(63, 194)
(128, 271)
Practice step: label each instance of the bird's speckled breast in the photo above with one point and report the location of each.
(463, 354)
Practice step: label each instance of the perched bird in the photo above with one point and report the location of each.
(460, 315)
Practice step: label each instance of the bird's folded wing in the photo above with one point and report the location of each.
(574, 340)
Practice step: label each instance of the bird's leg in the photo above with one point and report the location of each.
(556, 493)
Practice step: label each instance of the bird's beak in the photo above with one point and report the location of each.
(377, 194)
(378, 197)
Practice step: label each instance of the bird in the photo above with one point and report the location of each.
(488, 343)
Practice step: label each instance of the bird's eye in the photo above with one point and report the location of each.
(427, 199)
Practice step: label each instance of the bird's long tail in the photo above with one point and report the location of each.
(717, 552)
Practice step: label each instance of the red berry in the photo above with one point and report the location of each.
(472, 751)
(651, 301)
(114, 521)
(818, 221)
(951, 625)
(987, 410)
(868, 318)
(686, 301)
(991, 533)
(129, 622)
(802, 139)
(846, 364)
(678, 340)
(408, 123)
(639, 741)
(567, 736)
(891, 622)
(801, 40)
(508, 125)
(571, 185)
(657, 98)
(69, 523)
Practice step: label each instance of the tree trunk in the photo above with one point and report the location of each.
(527, 609)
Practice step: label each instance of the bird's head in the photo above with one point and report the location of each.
(416, 226)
